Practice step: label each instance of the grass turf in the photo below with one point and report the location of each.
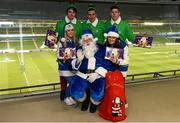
(41, 67)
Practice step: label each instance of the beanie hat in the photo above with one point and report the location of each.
(68, 26)
(71, 6)
(91, 7)
(112, 31)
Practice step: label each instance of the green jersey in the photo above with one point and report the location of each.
(60, 28)
(98, 30)
(124, 29)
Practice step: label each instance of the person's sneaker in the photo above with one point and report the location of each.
(68, 101)
(62, 95)
(72, 100)
(93, 108)
(85, 104)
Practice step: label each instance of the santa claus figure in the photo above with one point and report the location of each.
(88, 85)
(116, 107)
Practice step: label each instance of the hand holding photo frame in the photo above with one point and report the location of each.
(66, 53)
(114, 53)
(51, 39)
(143, 41)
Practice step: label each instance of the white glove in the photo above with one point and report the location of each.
(122, 62)
(92, 77)
(80, 55)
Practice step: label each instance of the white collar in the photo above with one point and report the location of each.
(72, 21)
(117, 21)
(93, 23)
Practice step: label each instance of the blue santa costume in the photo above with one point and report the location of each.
(115, 69)
(121, 64)
(64, 65)
(87, 78)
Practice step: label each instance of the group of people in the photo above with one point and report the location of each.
(85, 74)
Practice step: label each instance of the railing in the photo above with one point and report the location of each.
(155, 76)
(27, 87)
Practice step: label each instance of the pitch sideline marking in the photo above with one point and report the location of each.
(7, 40)
(25, 75)
(39, 71)
(34, 39)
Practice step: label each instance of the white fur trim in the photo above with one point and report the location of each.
(105, 35)
(91, 63)
(113, 34)
(124, 74)
(68, 27)
(94, 102)
(74, 64)
(95, 39)
(82, 75)
(55, 46)
(82, 98)
(63, 39)
(59, 45)
(66, 73)
(87, 36)
(101, 71)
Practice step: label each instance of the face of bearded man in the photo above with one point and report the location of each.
(89, 48)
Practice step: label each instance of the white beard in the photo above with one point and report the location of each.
(89, 50)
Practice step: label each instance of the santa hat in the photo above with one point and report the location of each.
(112, 31)
(87, 34)
(68, 26)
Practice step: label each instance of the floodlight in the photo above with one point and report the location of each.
(153, 23)
(6, 23)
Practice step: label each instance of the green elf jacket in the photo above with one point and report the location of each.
(124, 30)
(98, 30)
(60, 28)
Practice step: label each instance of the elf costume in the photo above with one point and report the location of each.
(124, 29)
(97, 27)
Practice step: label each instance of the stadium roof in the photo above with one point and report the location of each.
(129, 1)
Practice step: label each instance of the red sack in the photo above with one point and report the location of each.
(112, 106)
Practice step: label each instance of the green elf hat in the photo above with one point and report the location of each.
(115, 6)
(71, 6)
(91, 7)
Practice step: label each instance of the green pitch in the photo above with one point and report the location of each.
(158, 58)
(41, 67)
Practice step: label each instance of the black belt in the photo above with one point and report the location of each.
(88, 71)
